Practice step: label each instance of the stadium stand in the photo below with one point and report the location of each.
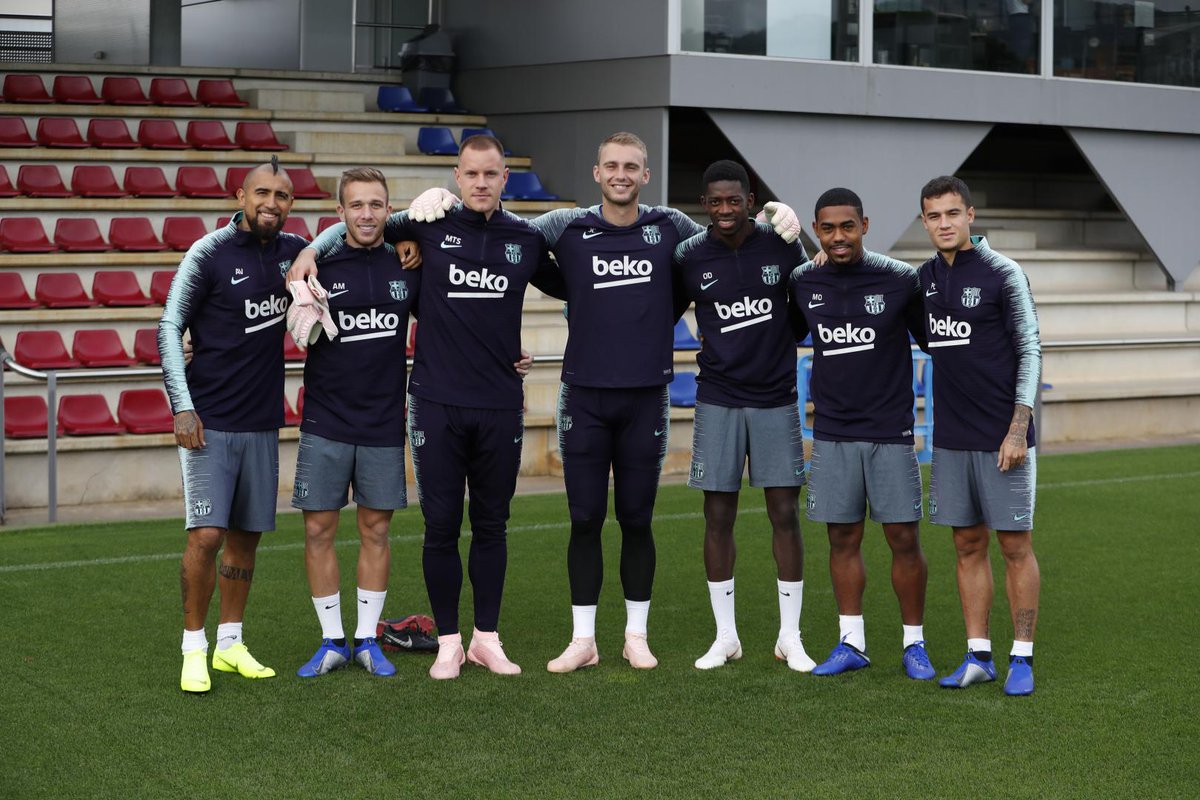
(59, 132)
(43, 350)
(171, 92)
(95, 180)
(199, 182)
(219, 93)
(109, 133)
(684, 340)
(26, 417)
(75, 89)
(13, 294)
(145, 411)
(290, 351)
(41, 180)
(304, 184)
(118, 287)
(133, 234)
(397, 98)
(79, 235)
(325, 222)
(297, 225)
(208, 134)
(20, 88)
(123, 91)
(13, 133)
(100, 348)
(24, 235)
(160, 284)
(257, 136)
(147, 182)
(180, 233)
(160, 134)
(411, 348)
(61, 290)
(682, 390)
(440, 100)
(291, 417)
(467, 133)
(526, 186)
(87, 415)
(6, 187)
(436, 141)
(145, 346)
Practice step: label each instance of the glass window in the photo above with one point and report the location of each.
(820, 29)
(986, 35)
(1134, 40)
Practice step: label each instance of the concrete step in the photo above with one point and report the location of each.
(1148, 363)
(1075, 270)
(276, 99)
(1109, 315)
(351, 145)
(1053, 228)
(1093, 411)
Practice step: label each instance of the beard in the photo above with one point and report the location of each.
(263, 231)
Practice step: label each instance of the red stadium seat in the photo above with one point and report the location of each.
(145, 346)
(300, 402)
(160, 134)
(25, 89)
(304, 185)
(298, 226)
(13, 133)
(290, 351)
(87, 415)
(171, 92)
(134, 234)
(95, 180)
(219, 93)
(208, 134)
(26, 417)
(160, 284)
(411, 347)
(75, 89)
(257, 136)
(109, 133)
(59, 132)
(79, 236)
(180, 233)
(13, 294)
(325, 222)
(61, 290)
(291, 417)
(100, 348)
(24, 235)
(199, 182)
(123, 91)
(118, 287)
(147, 182)
(222, 222)
(235, 177)
(41, 180)
(6, 187)
(43, 350)
(145, 411)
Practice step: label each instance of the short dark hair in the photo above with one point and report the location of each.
(945, 184)
(838, 197)
(483, 141)
(360, 175)
(725, 170)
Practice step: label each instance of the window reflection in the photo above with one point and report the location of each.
(988, 35)
(1135, 40)
(821, 29)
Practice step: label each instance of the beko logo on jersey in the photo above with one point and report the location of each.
(494, 285)
(748, 311)
(373, 324)
(957, 331)
(859, 339)
(273, 307)
(621, 268)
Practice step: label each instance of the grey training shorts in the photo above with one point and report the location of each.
(967, 488)
(845, 478)
(233, 481)
(325, 471)
(724, 438)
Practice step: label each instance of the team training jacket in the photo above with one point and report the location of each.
(473, 277)
(748, 355)
(620, 295)
(229, 293)
(860, 315)
(348, 397)
(983, 336)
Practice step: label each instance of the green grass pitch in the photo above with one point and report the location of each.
(90, 705)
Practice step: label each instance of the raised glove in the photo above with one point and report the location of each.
(782, 218)
(431, 204)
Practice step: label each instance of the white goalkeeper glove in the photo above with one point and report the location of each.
(431, 204)
(782, 218)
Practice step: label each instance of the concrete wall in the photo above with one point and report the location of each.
(102, 31)
(269, 34)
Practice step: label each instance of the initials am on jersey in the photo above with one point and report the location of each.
(479, 284)
(746, 311)
(622, 271)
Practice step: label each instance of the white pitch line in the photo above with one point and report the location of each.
(540, 526)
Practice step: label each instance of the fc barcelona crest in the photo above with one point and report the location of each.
(398, 290)
(770, 274)
(202, 508)
(513, 253)
(416, 438)
(970, 297)
(284, 266)
(565, 422)
(651, 234)
(874, 303)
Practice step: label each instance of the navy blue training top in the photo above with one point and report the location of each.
(229, 293)
(473, 278)
(354, 384)
(860, 315)
(983, 337)
(748, 352)
(620, 293)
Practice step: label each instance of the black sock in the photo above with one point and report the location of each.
(340, 642)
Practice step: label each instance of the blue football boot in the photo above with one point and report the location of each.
(970, 671)
(843, 658)
(916, 662)
(371, 657)
(329, 656)
(1020, 677)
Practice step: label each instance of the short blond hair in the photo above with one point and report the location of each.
(624, 138)
(360, 175)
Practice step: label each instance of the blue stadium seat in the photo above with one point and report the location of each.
(923, 388)
(436, 142)
(397, 98)
(469, 132)
(803, 377)
(683, 390)
(440, 101)
(525, 186)
(684, 340)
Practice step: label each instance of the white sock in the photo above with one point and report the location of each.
(979, 645)
(370, 607)
(1023, 649)
(583, 622)
(913, 634)
(636, 614)
(791, 599)
(194, 640)
(329, 614)
(228, 634)
(853, 630)
(720, 594)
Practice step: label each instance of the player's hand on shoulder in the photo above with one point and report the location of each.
(188, 352)
(431, 204)
(189, 430)
(820, 257)
(303, 265)
(409, 254)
